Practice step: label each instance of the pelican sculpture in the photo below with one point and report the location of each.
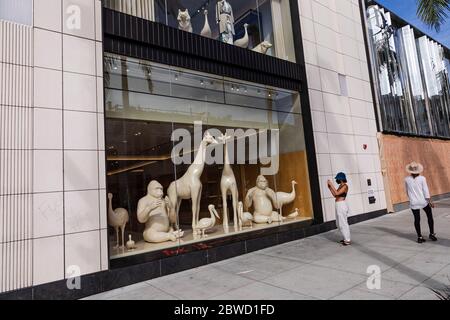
(207, 223)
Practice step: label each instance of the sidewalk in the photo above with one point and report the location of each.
(319, 268)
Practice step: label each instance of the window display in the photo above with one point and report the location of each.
(263, 26)
(193, 156)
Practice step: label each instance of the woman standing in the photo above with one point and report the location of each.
(340, 195)
(419, 199)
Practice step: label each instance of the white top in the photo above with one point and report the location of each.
(418, 193)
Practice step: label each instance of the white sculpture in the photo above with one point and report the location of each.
(228, 186)
(184, 20)
(263, 47)
(225, 19)
(153, 211)
(284, 198)
(294, 214)
(207, 223)
(131, 245)
(189, 185)
(262, 198)
(117, 219)
(245, 218)
(243, 42)
(206, 31)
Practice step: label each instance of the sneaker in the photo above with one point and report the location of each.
(433, 237)
(421, 240)
(346, 243)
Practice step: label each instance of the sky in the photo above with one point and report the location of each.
(407, 9)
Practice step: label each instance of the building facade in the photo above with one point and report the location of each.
(412, 99)
(100, 98)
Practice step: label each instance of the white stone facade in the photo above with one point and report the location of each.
(54, 156)
(343, 118)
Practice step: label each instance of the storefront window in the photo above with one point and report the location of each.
(159, 120)
(260, 25)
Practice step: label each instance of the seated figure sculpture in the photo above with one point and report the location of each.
(153, 211)
(263, 199)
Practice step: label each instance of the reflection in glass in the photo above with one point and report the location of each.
(410, 64)
(436, 79)
(411, 78)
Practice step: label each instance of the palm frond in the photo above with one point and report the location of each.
(433, 12)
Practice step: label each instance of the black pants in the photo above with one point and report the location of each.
(429, 213)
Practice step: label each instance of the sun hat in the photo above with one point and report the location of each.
(341, 176)
(414, 168)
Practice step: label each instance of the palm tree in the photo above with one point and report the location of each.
(433, 12)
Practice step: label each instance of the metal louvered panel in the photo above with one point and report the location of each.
(16, 156)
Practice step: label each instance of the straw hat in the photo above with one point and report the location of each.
(414, 168)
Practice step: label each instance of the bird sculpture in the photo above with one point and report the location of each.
(206, 31)
(245, 218)
(207, 223)
(263, 47)
(117, 219)
(243, 42)
(284, 198)
(294, 214)
(131, 245)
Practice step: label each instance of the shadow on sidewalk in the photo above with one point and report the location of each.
(411, 236)
(399, 266)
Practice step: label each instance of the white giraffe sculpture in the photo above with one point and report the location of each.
(189, 185)
(228, 186)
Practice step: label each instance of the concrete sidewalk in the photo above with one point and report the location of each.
(319, 268)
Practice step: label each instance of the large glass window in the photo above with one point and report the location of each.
(260, 25)
(157, 119)
(411, 78)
